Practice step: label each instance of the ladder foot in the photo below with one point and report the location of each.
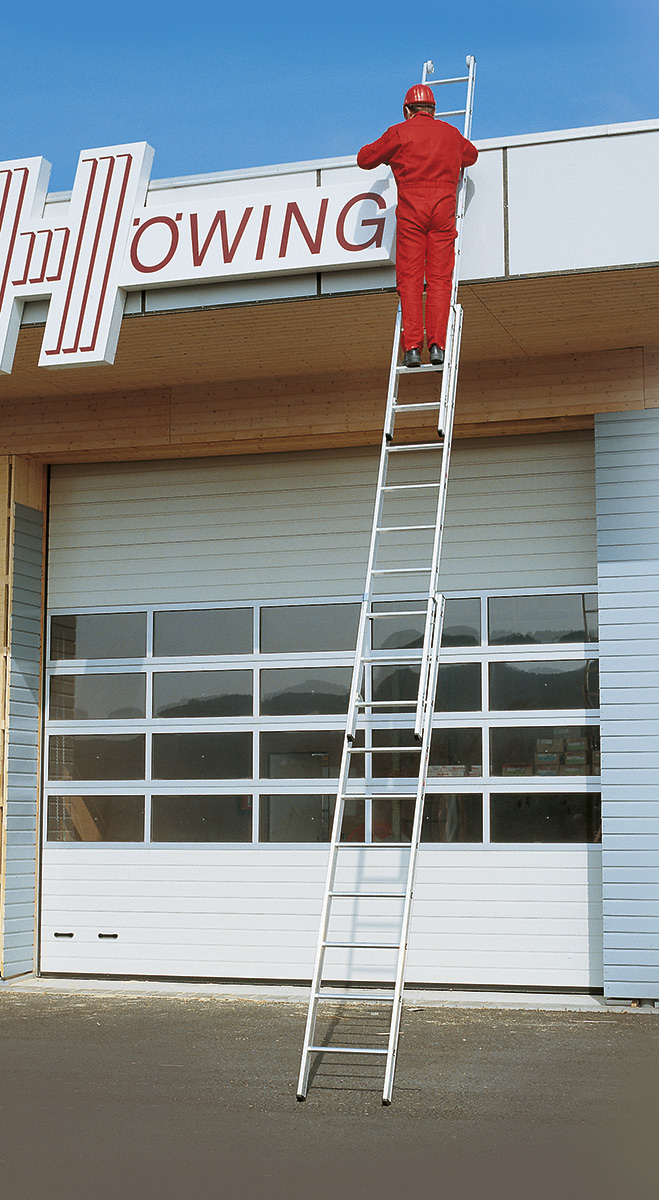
(385, 1103)
(299, 1097)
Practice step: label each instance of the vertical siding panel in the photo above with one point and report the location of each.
(22, 742)
(627, 486)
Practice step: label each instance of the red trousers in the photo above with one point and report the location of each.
(425, 249)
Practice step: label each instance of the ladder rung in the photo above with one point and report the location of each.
(424, 366)
(441, 82)
(362, 945)
(426, 406)
(368, 895)
(385, 659)
(355, 996)
(401, 571)
(414, 447)
(402, 528)
(406, 487)
(452, 112)
(345, 1050)
(371, 795)
(385, 749)
(403, 612)
(386, 703)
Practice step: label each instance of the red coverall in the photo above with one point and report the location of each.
(426, 157)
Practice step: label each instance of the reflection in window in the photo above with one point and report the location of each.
(289, 818)
(543, 817)
(454, 753)
(300, 628)
(303, 754)
(202, 694)
(202, 755)
(542, 619)
(97, 697)
(461, 627)
(446, 818)
(458, 687)
(98, 635)
(203, 631)
(96, 756)
(305, 691)
(462, 622)
(201, 818)
(543, 750)
(95, 819)
(532, 685)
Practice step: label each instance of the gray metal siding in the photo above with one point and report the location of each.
(521, 512)
(18, 931)
(627, 483)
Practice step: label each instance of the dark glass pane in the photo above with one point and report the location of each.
(98, 635)
(462, 622)
(202, 694)
(305, 754)
(529, 685)
(395, 683)
(542, 750)
(95, 818)
(196, 632)
(96, 756)
(454, 753)
(453, 818)
(542, 817)
(458, 687)
(395, 632)
(542, 619)
(97, 697)
(202, 755)
(201, 819)
(292, 818)
(305, 690)
(299, 628)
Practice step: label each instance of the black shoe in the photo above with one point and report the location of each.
(436, 355)
(412, 358)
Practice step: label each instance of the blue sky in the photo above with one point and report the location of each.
(213, 87)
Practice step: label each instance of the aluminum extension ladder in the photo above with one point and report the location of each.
(410, 474)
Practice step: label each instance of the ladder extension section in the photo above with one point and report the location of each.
(404, 558)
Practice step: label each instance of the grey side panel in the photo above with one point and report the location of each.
(627, 484)
(18, 932)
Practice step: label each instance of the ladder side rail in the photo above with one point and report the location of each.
(351, 725)
(415, 841)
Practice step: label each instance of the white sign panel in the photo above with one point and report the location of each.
(111, 243)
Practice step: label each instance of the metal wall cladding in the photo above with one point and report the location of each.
(627, 462)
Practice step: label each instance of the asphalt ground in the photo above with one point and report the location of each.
(116, 1097)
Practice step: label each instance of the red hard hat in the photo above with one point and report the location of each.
(420, 93)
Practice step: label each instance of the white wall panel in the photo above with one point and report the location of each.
(504, 917)
(569, 203)
(627, 458)
(520, 514)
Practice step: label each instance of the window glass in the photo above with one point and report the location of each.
(202, 755)
(393, 632)
(543, 750)
(96, 756)
(289, 818)
(458, 687)
(395, 683)
(303, 754)
(203, 631)
(543, 817)
(542, 619)
(314, 627)
(529, 685)
(97, 697)
(446, 818)
(462, 622)
(95, 818)
(305, 690)
(202, 693)
(201, 818)
(454, 753)
(98, 635)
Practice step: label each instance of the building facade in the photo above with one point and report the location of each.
(185, 546)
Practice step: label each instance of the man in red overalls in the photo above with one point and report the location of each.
(426, 157)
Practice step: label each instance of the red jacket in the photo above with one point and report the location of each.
(424, 154)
